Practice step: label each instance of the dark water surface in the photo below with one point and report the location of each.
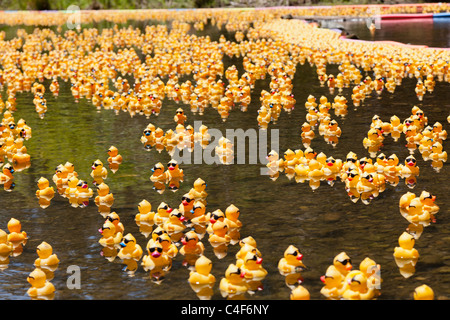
(321, 223)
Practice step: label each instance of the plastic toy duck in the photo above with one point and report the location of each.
(162, 213)
(275, 164)
(343, 263)
(264, 117)
(310, 102)
(115, 219)
(186, 205)
(352, 179)
(356, 288)
(291, 262)
(110, 236)
(332, 166)
(437, 154)
(406, 248)
(198, 219)
(312, 116)
(220, 234)
(158, 173)
(192, 246)
(173, 171)
(414, 213)
(7, 174)
(169, 248)
(307, 134)
(428, 202)
(6, 247)
(233, 284)
(99, 172)
(45, 193)
(180, 117)
(372, 271)
(213, 217)
(129, 248)
(155, 260)
(174, 225)
(104, 199)
(15, 233)
(300, 293)
(40, 286)
(423, 292)
(46, 256)
(145, 212)
(396, 128)
(198, 191)
(252, 267)
(410, 167)
(333, 283)
(248, 244)
(202, 274)
(84, 193)
(114, 159)
(439, 134)
(234, 224)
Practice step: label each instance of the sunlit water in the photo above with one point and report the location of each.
(279, 213)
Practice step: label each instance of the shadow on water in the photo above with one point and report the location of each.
(279, 213)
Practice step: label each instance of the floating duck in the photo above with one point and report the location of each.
(180, 117)
(428, 202)
(99, 172)
(198, 191)
(158, 173)
(198, 219)
(7, 174)
(15, 233)
(155, 260)
(333, 283)
(356, 287)
(174, 225)
(202, 274)
(110, 237)
(114, 159)
(46, 256)
(129, 248)
(233, 284)
(40, 286)
(291, 261)
(192, 246)
(410, 167)
(252, 268)
(423, 292)
(406, 255)
(173, 171)
(343, 263)
(45, 193)
(169, 248)
(300, 293)
(104, 199)
(145, 212)
(162, 213)
(84, 193)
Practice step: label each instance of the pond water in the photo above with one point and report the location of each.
(321, 222)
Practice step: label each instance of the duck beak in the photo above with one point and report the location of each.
(156, 254)
(169, 210)
(322, 278)
(259, 260)
(123, 245)
(100, 230)
(300, 257)
(433, 198)
(348, 267)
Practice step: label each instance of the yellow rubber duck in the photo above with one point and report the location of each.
(158, 173)
(356, 287)
(110, 237)
(155, 260)
(300, 293)
(46, 256)
(191, 244)
(202, 274)
(115, 219)
(174, 225)
(104, 199)
(40, 287)
(129, 248)
(333, 283)
(423, 292)
(15, 233)
(145, 212)
(233, 283)
(220, 234)
(162, 213)
(5, 246)
(428, 202)
(343, 263)
(291, 261)
(406, 248)
(169, 248)
(99, 172)
(252, 267)
(45, 193)
(173, 171)
(248, 244)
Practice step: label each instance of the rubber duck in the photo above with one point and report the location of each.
(180, 117)
(104, 199)
(252, 267)
(114, 159)
(40, 286)
(437, 154)
(129, 248)
(423, 292)
(213, 217)
(145, 212)
(343, 263)
(406, 248)
(372, 271)
(110, 237)
(410, 167)
(233, 283)
(186, 206)
(15, 233)
(291, 261)
(155, 260)
(202, 274)
(356, 288)
(173, 171)
(312, 116)
(6, 247)
(174, 225)
(333, 283)
(220, 234)
(84, 193)
(300, 293)
(198, 191)
(405, 199)
(192, 246)
(275, 164)
(224, 150)
(46, 256)
(428, 202)
(307, 134)
(162, 213)
(396, 127)
(45, 193)
(99, 172)
(169, 248)
(248, 244)
(415, 213)
(7, 173)
(158, 173)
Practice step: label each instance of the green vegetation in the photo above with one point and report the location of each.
(165, 4)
